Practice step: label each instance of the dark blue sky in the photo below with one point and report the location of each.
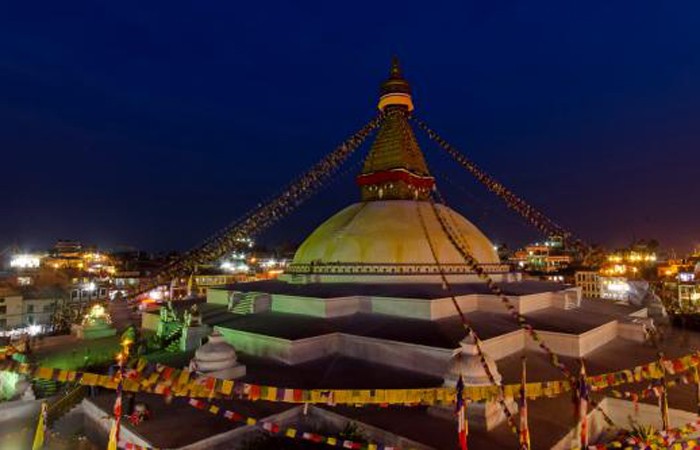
(155, 123)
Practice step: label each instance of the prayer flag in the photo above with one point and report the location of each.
(460, 409)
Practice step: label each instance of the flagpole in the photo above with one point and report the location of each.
(663, 397)
(122, 358)
(40, 434)
(461, 411)
(522, 410)
(582, 395)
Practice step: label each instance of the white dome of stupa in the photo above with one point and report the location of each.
(392, 232)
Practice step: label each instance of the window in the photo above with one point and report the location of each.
(30, 308)
(3, 309)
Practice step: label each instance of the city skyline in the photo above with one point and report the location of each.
(191, 117)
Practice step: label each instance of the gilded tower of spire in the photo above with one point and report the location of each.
(395, 168)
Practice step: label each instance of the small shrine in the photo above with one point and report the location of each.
(217, 359)
(96, 324)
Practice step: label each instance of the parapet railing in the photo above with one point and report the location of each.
(390, 269)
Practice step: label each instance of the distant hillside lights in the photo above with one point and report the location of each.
(234, 267)
(633, 257)
(236, 263)
(628, 263)
(242, 263)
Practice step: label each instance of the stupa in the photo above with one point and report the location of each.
(217, 359)
(96, 324)
(363, 306)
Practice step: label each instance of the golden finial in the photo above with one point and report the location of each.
(395, 91)
(395, 68)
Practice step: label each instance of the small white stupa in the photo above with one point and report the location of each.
(467, 364)
(217, 359)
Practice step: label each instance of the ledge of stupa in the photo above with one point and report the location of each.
(303, 333)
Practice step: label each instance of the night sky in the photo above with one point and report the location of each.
(153, 124)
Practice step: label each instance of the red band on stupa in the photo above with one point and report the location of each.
(386, 176)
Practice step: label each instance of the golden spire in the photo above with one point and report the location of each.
(395, 91)
(395, 168)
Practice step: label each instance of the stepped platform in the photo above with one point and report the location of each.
(412, 325)
(399, 336)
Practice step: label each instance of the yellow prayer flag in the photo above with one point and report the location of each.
(227, 387)
(341, 396)
(89, 379)
(271, 393)
(184, 376)
(44, 373)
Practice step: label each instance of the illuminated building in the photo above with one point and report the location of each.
(65, 255)
(26, 261)
(21, 308)
(688, 292)
(68, 247)
(39, 304)
(595, 284)
(683, 288)
(11, 315)
(629, 262)
(549, 256)
(614, 288)
(78, 259)
(589, 282)
(671, 268)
